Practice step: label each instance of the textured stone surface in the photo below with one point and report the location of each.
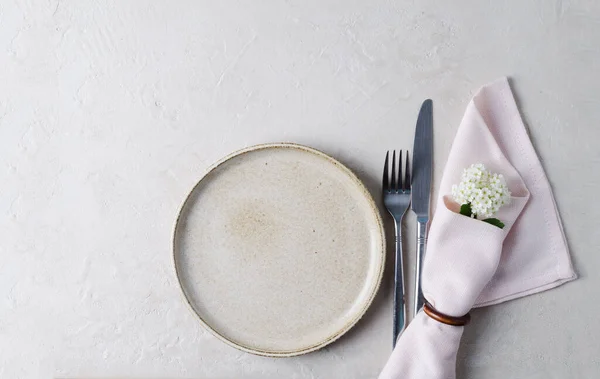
(111, 111)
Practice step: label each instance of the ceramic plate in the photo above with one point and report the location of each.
(279, 249)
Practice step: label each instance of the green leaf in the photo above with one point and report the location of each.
(495, 222)
(465, 210)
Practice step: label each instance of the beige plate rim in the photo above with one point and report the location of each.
(381, 261)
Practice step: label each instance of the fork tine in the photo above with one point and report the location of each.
(400, 184)
(407, 181)
(394, 185)
(386, 177)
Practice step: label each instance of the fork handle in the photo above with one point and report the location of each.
(399, 302)
(421, 247)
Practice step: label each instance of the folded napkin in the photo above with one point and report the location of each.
(470, 263)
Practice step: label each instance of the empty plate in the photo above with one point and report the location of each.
(279, 249)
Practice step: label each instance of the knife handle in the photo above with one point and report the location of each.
(399, 299)
(421, 247)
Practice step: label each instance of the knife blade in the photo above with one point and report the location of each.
(421, 188)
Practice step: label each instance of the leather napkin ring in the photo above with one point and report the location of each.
(444, 319)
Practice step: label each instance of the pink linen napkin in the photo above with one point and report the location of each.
(470, 263)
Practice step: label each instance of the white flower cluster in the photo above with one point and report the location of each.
(485, 191)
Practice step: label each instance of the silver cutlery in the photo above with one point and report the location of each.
(396, 197)
(421, 188)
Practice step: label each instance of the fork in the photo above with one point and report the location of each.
(396, 198)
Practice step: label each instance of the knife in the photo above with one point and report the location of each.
(421, 188)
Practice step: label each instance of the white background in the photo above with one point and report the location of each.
(111, 111)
